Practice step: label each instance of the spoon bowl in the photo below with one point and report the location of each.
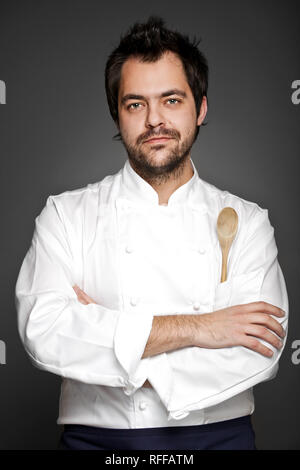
(227, 225)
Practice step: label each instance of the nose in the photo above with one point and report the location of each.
(154, 116)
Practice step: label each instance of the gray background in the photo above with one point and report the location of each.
(56, 135)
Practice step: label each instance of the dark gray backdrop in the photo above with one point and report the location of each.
(56, 135)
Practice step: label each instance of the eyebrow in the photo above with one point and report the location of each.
(174, 91)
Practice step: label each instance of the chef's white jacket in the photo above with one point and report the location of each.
(136, 258)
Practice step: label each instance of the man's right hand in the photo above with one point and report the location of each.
(241, 325)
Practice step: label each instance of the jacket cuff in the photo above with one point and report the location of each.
(130, 339)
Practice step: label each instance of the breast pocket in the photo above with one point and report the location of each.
(240, 289)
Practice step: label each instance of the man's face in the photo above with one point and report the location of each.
(144, 113)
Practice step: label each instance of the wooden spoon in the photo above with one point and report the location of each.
(227, 225)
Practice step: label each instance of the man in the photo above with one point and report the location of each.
(120, 291)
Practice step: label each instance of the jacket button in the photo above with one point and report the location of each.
(143, 405)
(196, 306)
(129, 249)
(202, 250)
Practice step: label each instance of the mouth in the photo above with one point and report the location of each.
(157, 140)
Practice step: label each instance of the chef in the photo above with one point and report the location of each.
(120, 291)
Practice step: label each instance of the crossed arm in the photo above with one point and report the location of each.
(238, 325)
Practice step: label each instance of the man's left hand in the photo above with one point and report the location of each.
(82, 296)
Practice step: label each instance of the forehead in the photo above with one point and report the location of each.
(145, 77)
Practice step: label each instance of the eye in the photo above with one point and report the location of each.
(132, 104)
(174, 99)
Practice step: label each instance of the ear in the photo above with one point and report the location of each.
(203, 111)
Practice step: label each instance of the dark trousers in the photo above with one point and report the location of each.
(234, 434)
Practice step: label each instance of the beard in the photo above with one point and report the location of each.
(148, 166)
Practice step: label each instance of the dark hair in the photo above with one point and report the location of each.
(149, 41)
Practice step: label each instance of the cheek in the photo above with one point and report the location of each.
(130, 127)
(186, 128)
(184, 122)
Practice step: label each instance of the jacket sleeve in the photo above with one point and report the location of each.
(205, 377)
(89, 343)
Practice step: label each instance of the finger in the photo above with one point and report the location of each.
(269, 322)
(255, 345)
(82, 296)
(78, 291)
(264, 307)
(89, 300)
(263, 333)
(82, 299)
(86, 298)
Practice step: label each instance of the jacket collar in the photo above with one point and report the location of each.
(139, 191)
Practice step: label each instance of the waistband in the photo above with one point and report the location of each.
(178, 430)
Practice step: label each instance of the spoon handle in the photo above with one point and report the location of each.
(224, 265)
(225, 248)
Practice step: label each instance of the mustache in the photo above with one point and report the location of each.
(161, 133)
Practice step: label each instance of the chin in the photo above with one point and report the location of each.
(155, 162)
